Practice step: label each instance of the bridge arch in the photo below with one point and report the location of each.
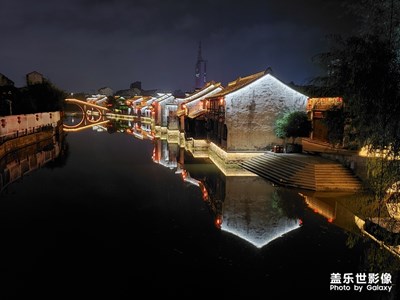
(92, 114)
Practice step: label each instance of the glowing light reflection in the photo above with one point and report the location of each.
(264, 238)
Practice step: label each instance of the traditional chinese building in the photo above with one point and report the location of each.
(242, 116)
(316, 108)
(159, 104)
(192, 109)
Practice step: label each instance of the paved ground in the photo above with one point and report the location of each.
(308, 158)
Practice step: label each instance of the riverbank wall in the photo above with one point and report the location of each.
(26, 148)
(19, 131)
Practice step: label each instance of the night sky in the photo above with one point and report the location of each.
(84, 45)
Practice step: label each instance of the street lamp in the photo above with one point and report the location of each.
(10, 105)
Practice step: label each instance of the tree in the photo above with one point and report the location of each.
(292, 124)
(379, 18)
(334, 121)
(365, 70)
(43, 97)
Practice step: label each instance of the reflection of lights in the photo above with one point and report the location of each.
(76, 101)
(320, 207)
(286, 226)
(205, 194)
(218, 222)
(186, 178)
(203, 191)
(71, 129)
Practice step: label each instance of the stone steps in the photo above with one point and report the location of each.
(303, 171)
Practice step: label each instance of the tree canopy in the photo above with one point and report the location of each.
(364, 69)
(292, 124)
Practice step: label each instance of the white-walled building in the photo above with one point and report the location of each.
(242, 116)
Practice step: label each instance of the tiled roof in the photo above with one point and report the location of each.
(208, 87)
(240, 82)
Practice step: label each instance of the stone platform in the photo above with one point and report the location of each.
(303, 171)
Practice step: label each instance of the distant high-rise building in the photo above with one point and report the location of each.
(200, 70)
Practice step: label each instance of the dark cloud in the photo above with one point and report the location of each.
(84, 45)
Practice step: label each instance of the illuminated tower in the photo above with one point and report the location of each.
(200, 70)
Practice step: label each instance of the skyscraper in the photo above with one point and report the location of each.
(200, 70)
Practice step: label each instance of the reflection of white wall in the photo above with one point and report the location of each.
(249, 211)
(167, 157)
(169, 116)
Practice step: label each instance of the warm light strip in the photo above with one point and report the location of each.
(86, 103)
(222, 154)
(73, 129)
(258, 80)
(122, 117)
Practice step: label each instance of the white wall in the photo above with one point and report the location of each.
(19, 123)
(251, 112)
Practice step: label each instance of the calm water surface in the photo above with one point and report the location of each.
(117, 217)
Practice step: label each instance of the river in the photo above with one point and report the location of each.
(118, 217)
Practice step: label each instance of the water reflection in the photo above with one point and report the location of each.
(249, 206)
(253, 210)
(77, 119)
(332, 206)
(363, 221)
(239, 228)
(51, 153)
